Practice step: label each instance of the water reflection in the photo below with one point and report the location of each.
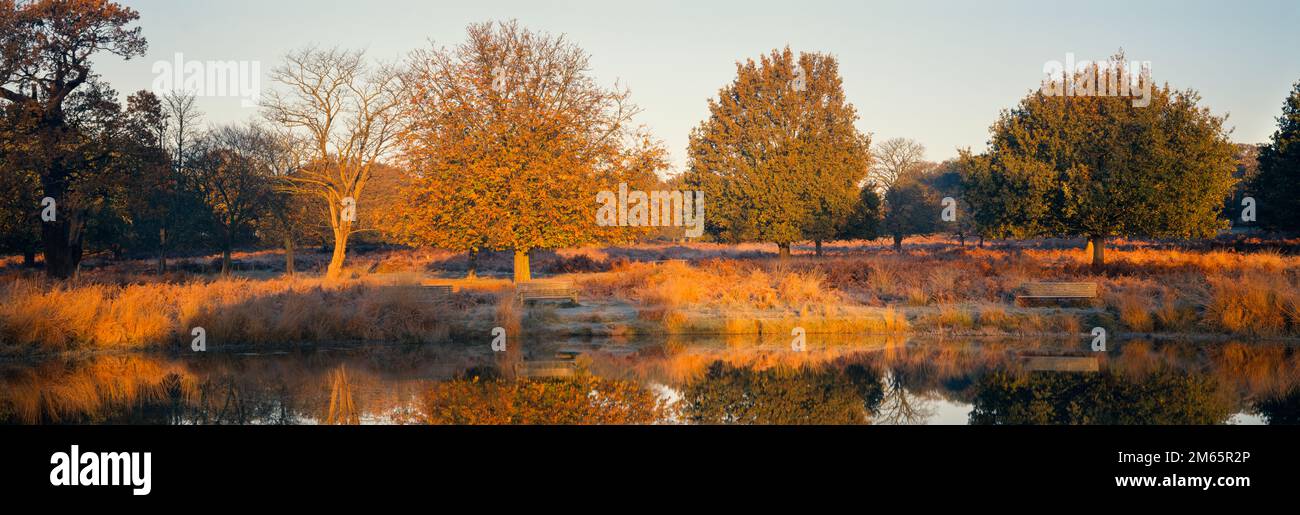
(730, 381)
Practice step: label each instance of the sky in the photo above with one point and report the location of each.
(938, 72)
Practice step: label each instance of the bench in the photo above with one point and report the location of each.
(545, 369)
(546, 290)
(1060, 363)
(434, 292)
(1058, 291)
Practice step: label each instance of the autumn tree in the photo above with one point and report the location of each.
(509, 141)
(1101, 166)
(348, 112)
(1277, 185)
(779, 156)
(46, 48)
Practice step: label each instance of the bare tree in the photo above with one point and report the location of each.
(288, 211)
(898, 407)
(348, 113)
(895, 158)
(182, 118)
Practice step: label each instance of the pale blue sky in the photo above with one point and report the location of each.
(935, 71)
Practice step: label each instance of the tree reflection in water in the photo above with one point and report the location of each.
(853, 383)
(733, 395)
(1281, 409)
(1162, 397)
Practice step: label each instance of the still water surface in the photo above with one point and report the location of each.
(699, 381)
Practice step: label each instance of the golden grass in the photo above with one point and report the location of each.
(1255, 303)
(1134, 311)
(233, 311)
(936, 286)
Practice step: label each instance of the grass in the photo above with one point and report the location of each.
(857, 288)
(74, 316)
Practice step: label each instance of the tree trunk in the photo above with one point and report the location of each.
(288, 256)
(225, 261)
(62, 248)
(783, 251)
(29, 258)
(61, 237)
(1098, 244)
(981, 242)
(961, 239)
(341, 234)
(898, 242)
(818, 243)
(162, 251)
(471, 267)
(522, 273)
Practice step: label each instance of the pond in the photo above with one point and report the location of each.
(734, 380)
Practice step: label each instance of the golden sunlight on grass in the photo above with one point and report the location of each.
(931, 289)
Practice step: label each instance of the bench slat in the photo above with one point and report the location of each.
(1059, 290)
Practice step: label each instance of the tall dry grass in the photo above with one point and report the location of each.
(725, 289)
(35, 315)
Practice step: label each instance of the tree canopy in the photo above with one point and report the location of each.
(779, 157)
(1277, 185)
(1099, 166)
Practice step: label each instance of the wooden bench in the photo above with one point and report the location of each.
(1058, 291)
(1060, 363)
(546, 369)
(434, 292)
(546, 290)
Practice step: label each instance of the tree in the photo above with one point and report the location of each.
(779, 155)
(146, 181)
(181, 118)
(1003, 203)
(895, 158)
(288, 215)
(945, 180)
(864, 221)
(20, 186)
(1099, 166)
(45, 51)
(509, 142)
(233, 175)
(1277, 186)
(911, 208)
(348, 112)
